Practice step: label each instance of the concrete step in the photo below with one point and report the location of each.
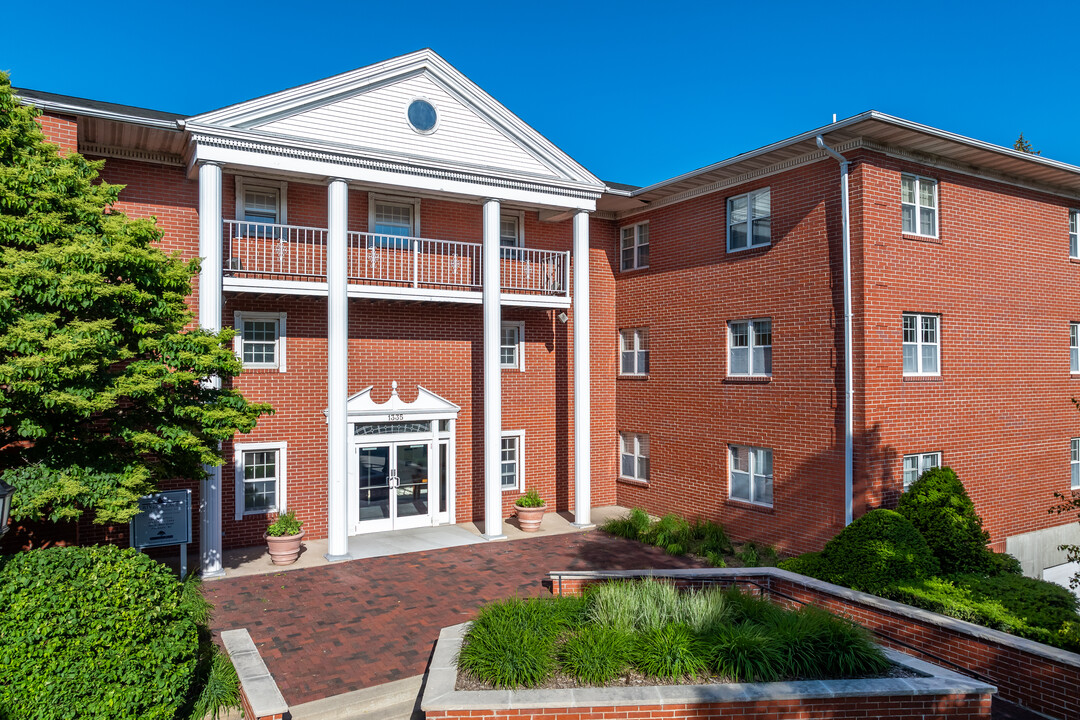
(398, 700)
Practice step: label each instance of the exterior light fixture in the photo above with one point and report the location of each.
(563, 317)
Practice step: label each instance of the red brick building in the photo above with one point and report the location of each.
(402, 260)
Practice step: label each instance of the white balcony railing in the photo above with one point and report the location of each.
(299, 253)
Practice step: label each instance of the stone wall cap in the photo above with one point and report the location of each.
(256, 682)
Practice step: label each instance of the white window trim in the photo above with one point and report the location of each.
(520, 354)
(623, 435)
(1074, 213)
(239, 449)
(919, 343)
(282, 187)
(374, 198)
(519, 215)
(636, 333)
(750, 346)
(1072, 443)
(936, 208)
(239, 316)
(923, 467)
(749, 219)
(753, 474)
(1074, 344)
(637, 244)
(520, 435)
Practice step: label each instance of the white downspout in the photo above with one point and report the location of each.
(849, 383)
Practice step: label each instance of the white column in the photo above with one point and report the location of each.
(337, 374)
(582, 437)
(210, 319)
(493, 518)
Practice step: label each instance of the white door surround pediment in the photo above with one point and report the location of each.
(426, 406)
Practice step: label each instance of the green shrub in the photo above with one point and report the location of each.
(800, 638)
(286, 524)
(632, 527)
(754, 555)
(671, 651)
(101, 629)
(635, 605)
(1004, 564)
(749, 608)
(705, 610)
(847, 649)
(939, 507)
(219, 686)
(670, 532)
(809, 564)
(746, 653)
(595, 654)
(531, 499)
(709, 537)
(877, 550)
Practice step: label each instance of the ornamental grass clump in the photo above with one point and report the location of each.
(671, 651)
(746, 653)
(595, 655)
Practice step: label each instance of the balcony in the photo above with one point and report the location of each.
(290, 259)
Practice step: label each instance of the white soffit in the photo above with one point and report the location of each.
(365, 110)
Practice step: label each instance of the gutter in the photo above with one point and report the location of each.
(65, 109)
(849, 383)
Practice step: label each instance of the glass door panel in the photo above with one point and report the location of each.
(374, 473)
(411, 493)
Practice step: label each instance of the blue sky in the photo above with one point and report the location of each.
(637, 92)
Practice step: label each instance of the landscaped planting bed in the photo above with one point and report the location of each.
(649, 632)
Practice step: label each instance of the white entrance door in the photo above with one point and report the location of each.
(394, 485)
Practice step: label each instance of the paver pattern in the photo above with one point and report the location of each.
(337, 628)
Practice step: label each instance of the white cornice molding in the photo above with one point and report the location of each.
(213, 137)
(146, 156)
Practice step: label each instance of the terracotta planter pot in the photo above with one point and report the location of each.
(530, 518)
(284, 549)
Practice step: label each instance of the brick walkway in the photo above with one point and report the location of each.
(333, 629)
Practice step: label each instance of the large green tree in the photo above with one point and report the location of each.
(104, 388)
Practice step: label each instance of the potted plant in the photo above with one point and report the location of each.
(530, 511)
(283, 538)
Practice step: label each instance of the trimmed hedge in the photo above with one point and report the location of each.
(94, 632)
(879, 549)
(939, 507)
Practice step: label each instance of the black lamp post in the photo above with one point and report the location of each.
(6, 491)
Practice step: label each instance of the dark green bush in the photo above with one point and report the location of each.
(754, 555)
(595, 654)
(809, 564)
(1004, 564)
(877, 550)
(710, 538)
(939, 507)
(670, 532)
(671, 651)
(97, 632)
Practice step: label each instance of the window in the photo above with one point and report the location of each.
(921, 347)
(513, 474)
(751, 474)
(391, 220)
(260, 478)
(635, 246)
(511, 346)
(260, 339)
(634, 450)
(510, 231)
(916, 465)
(260, 203)
(918, 203)
(1074, 464)
(1074, 233)
(1074, 347)
(750, 347)
(749, 220)
(635, 351)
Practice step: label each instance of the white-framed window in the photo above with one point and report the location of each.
(260, 203)
(513, 461)
(391, 219)
(922, 346)
(1074, 347)
(634, 456)
(1074, 234)
(260, 339)
(1074, 464)
(634, 351)
(512, 346)
(750, 347)
(634, 246)
(916, 465)
(511, 229)
(749, 220)
(260, 470)
(919, 205)
(750, 474)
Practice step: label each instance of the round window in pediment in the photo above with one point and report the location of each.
(422, 116)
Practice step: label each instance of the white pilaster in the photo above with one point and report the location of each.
(210, 251)
(337, 373)
(493, 518)
(582, 404)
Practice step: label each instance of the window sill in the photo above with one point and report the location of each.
(632, 481)
(923, 378)
(633, 377)
(631, 271)
(746, 505)
(259, 370)
(922, 238)
(747, 380)
(512, 369)
(1075, 260)
(751, 248)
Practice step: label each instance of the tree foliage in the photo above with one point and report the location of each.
(1023, 145)
(938, 505)
(103, 390)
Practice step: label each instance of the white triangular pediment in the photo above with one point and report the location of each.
(366, 110)
(427, 405)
